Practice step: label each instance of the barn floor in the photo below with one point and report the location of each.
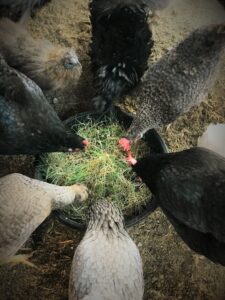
(171, 270)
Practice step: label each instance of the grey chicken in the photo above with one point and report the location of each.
(15, 9)
(107, 264)
(28, 123)
(121, 44)
(189, 186)
(52, 67)
(179, 80)
(24, 204)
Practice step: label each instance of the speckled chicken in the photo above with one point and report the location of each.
(107, 264)
(15, 9)
(28, 123)
(189, 186)
(52, 67)
(121, 44)
(24, 204)
(179, 80)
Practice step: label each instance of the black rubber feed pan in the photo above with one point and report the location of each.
(151, 138)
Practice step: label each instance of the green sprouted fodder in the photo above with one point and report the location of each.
(102, 167)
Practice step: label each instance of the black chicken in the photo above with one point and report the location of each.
(189, 186)
(121, 44)
(28, 123)
(15, 9)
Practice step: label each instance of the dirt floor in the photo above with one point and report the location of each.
(171, 270)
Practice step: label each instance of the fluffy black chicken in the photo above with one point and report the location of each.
(189, 186)
(28, 124)
(179, 80)
(121, 44)
(15, 9)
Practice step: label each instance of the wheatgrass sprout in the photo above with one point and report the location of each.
(102, 167)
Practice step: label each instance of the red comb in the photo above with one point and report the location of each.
(85, 142)
(125, 144)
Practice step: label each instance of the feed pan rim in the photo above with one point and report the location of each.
(131, 220)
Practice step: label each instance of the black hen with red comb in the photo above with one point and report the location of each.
(28, 123)
(189, 186)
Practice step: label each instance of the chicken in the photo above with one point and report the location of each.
(15, 9)
(214, 138)
(107, 264)
(28, 123)
(179, 80)
(24, 204)
(189, 186)
(52, 67)
(121, 44)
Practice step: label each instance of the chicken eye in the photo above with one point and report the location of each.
(69, 65)
(71, 62)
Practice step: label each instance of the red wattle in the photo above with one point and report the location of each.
(131, 160)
